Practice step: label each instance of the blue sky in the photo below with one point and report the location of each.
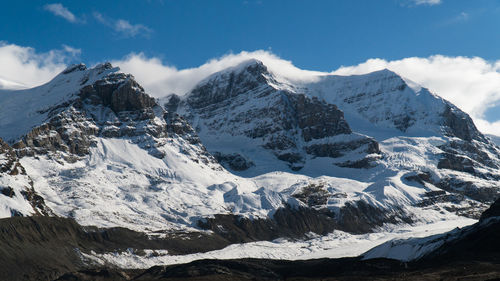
(448, 46)
(319, 34)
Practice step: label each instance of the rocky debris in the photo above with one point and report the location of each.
(233, 161)
(456, 162)
(462, 195)
(285, 222)
(360, 217)
(313, 195)
(420, 177)
(355, 217)
(335, 150)
(471, 157)
(14, 174)
(44, 248)
(471, 189)
(472, 254)
(364, 163)
(476, 151)
(70, 131)
(177, 125)
(9, 163)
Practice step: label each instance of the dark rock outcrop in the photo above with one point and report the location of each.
(459, 124)
(118, 91)
(233, 161)
(228, 85)
(335, 150)
(492, 211)
(10, 167)
(295, 223)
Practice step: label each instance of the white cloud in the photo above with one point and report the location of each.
(23, 67)
(160, 79)
(427, 2)
(473, 84)
(123, 27)
(59, 10)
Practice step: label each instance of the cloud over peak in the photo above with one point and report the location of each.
(471, 83)
(23, 67)
(59, 10)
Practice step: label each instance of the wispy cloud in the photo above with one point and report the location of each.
(427, 2)
(457, 19)
(59, 10)
(123, 27)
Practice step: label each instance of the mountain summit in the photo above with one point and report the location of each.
(246, 154)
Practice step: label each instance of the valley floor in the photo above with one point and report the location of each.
(338, 244)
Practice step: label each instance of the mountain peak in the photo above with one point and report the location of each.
(247, 76)
(75, 67)
(252, 66)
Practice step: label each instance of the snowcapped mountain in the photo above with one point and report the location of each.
(403, 145)
(246, 154)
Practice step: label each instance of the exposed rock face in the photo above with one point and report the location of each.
(335, 150)
(296, 222)
(228, 85)
(118, 91)
(477, 158)
(316, 119)
(243, 101)
(314, 195)
(233, 161)
(457, 163)
(460, 125)
(16, 186)
(113, 107)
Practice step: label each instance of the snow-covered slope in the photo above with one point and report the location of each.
(382, 100)
(101, 150)
(428, 154)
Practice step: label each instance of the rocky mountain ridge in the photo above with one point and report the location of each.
(247, 152)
